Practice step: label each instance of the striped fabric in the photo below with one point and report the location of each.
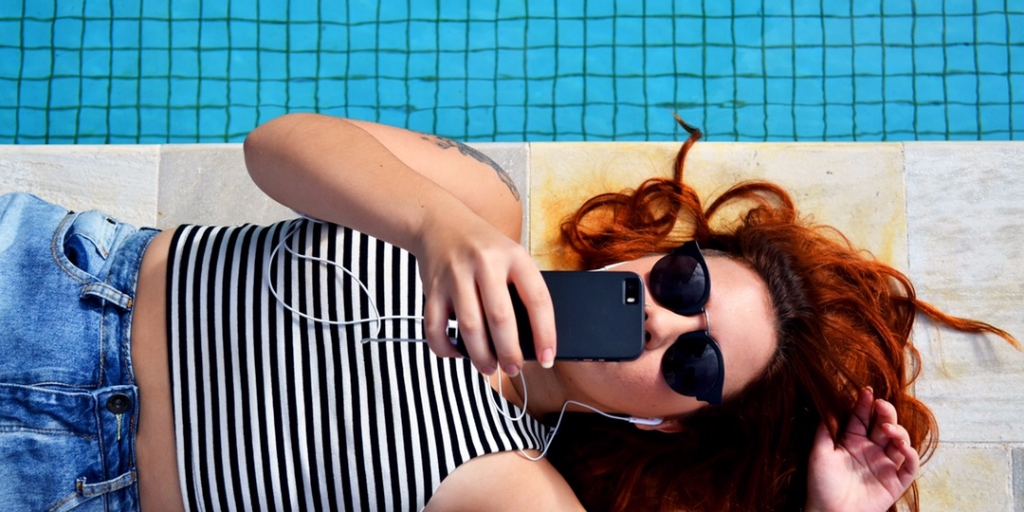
(274, 411)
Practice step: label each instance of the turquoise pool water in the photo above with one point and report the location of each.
(155, 71)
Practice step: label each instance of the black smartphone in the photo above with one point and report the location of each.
(599, 316)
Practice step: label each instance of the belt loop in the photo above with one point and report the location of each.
(97, 489)
(107, 293)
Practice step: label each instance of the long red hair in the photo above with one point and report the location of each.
(843, 322)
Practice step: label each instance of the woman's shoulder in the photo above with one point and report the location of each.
(504, 481)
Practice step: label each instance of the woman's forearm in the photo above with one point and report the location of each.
(334, 170)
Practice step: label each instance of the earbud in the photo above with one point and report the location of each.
(651, 422)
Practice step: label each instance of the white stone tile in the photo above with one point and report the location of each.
(208, 184)
(967, 478)
(514, 158)
(119, 180)
(966, 239)
(1018, 478)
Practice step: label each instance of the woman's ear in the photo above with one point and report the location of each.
(666, 426)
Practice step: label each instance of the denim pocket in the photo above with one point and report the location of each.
(86, 244)
(50, 335)
(48, 440)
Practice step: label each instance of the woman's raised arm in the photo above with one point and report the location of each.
(452, 207)
(356, 173)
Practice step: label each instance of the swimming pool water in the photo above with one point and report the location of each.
(154, 71)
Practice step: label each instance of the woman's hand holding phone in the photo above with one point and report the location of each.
(466, 266)
(425, 194)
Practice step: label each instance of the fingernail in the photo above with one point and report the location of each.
(512, 370)
(487, 370)
(547, 358)
(870, 390)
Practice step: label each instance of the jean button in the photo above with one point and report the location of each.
(118, 403)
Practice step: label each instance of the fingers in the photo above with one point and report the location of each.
(896, 440)
(861, 418)
(472, 329)
(487, 319)
(885, 413)
(534, 294)
(500, 323)
(911, 464)
(473, 325)
(436, 310)
(893, 443)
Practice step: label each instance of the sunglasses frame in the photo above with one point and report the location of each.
(713, 394)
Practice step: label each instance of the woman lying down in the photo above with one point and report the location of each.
(226, 368)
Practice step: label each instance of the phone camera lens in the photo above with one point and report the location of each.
(632, 290)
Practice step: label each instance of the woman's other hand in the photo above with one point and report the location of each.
(869, 469)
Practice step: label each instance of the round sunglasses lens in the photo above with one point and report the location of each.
(690, 366)
(677, 282)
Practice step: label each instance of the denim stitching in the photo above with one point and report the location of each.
(130, 310)
(57, 251)
(63, 501)
(45, 431)
(57, 386)
(103, 340)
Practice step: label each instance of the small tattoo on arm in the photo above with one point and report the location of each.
(444, 143)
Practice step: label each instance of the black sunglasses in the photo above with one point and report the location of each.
(693, 365)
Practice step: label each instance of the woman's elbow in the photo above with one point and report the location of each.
(265, 148)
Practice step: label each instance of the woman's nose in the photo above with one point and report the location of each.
(663, 326)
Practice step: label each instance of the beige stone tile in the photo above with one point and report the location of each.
(966, 238)
(208, 184)
(119, 180)
(564, 175)
(967, 478)
(855, 187)
(514, 158)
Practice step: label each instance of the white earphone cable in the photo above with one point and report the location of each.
(550, 438)
(377, 318)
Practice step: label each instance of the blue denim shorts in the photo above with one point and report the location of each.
(68, 402)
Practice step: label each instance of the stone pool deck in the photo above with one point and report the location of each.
(949, 214)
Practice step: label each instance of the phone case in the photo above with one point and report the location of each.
(599, 316)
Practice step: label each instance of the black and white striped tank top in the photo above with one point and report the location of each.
(274, 411)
